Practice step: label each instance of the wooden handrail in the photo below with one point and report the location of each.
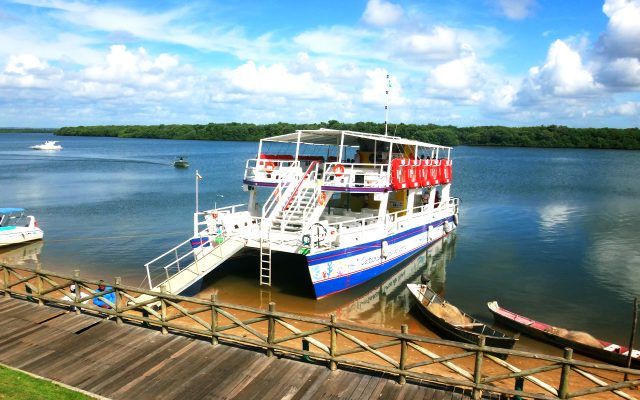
(226, 322)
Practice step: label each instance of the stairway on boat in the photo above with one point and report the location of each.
(298, 210)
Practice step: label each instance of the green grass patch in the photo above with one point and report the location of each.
(19, 386)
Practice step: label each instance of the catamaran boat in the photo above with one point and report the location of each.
(350, 205)
(16, 227)
(48, 145)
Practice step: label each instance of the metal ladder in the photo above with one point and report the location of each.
(265, 262)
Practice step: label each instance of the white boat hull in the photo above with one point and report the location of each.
(14, 235)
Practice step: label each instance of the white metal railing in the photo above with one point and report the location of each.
(282, 190)
(269, 170)
(389, 221)
(356, 175)
(178, 258)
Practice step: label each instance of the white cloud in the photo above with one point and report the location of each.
(628, 109)
(562, 75)
(277, 80)
(515, 9)
(621, 74)
(382, 13)
(622, 38)
(441, 44)
(376, 85)
(28, 71)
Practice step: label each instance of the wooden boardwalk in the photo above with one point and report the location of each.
(131, 362)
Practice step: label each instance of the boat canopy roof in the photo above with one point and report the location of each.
(348, 138)
(10, 210)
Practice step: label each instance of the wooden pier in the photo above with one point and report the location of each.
(131, 362)
(171, 346)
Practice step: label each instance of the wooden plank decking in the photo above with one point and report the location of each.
(131, 362)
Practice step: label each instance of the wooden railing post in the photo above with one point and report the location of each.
(39, 283)
(332, 348)
(5, 280)
(163, 310)
(78, 297)
(214, 320)
(404, 329)
(564, 377)
(272, 329)
(117, 306)
(477, 372)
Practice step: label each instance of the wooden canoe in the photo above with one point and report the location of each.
(467, 331)
(608, 352)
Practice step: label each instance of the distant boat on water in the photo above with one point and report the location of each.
(180, 162)
(48, 145)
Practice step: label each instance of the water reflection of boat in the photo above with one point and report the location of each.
(391, 296)
(21, 254)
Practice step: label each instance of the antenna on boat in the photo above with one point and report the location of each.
(386, 105)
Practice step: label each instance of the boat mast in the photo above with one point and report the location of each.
(386, 105)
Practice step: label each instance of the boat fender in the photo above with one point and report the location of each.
(447, 227)
(384, 249)
(455, 219)
(306, 240)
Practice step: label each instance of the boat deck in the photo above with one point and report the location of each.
(131, 362)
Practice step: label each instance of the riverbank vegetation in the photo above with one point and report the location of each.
(27, 130)
(534, 136)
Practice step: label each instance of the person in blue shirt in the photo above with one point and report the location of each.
(111, 297)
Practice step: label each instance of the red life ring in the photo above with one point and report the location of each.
(338, 169)
(322, 199)
(269, 167)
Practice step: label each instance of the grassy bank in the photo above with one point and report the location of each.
(16, 385)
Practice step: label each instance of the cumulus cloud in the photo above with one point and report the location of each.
(28, 71)
(515, 9)
(461, 78)
(622, 38)
(276, 79)
(382, 13)
(618, 49)
(440, 44)
(563, 75)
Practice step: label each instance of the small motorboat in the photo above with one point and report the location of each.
(17, 227)
(581, 342)
(180, 162)
(48, 145)
(452, 323)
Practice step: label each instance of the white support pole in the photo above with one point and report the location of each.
(386, 105)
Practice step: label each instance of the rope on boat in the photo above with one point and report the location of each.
(115, 237)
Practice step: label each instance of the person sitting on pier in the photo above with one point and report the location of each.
(111, 297)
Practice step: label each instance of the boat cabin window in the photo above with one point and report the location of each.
(14, 220)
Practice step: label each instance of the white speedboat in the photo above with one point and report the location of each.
(17, 227)
(48, 145)
(349, 205)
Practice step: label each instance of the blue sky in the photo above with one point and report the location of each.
(460, 62)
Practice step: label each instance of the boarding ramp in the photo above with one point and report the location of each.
(182, 266)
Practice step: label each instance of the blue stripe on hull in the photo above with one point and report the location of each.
(338, 284)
